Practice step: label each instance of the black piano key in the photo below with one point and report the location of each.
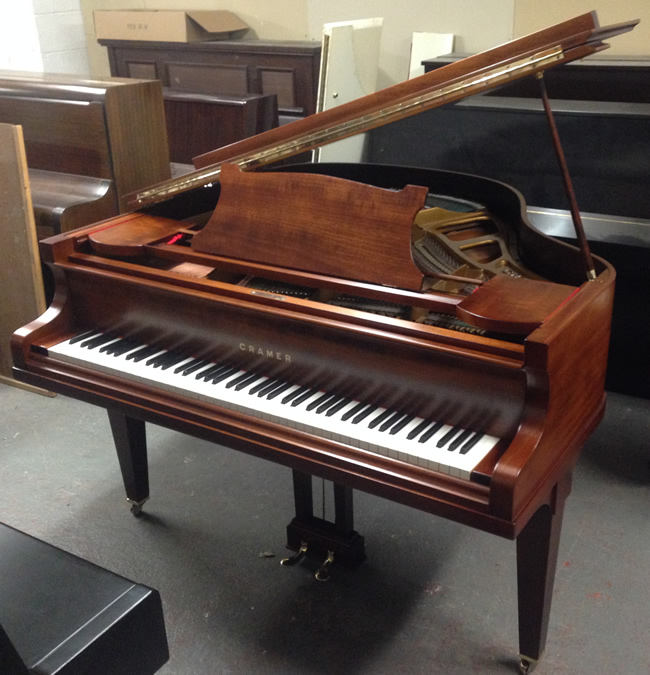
(207, 373)
(220, 377)
(242, 380)
(339, 406)
(327, 404)
(250, 381)
(118, 348)
(380, 418)
(82, 336)
(277, 390)
(192, 367)
(401, 424)
(459, 440)
(364, 413)
(414, 433)
(430, 432)
(108, 347)
(296, 392)
(101, 339)
(259, 388)
(353, 411)
(321, 399)
(245, 375)
(182, 367)
(393, 419)
(125, 348)
(471, 443)
(154, 361)
(303, 397)
(173, 359)
(447, 437)
(165, 359)
(144, 353)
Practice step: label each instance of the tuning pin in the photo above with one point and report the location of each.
(296, 558)
(323, 573)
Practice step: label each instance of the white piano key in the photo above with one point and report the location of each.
(366, 434)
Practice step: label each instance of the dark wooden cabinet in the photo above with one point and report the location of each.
(234, 67)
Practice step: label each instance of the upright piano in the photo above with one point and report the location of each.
(400, 331)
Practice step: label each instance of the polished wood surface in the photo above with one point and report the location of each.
(518, 306)
(89, 142)
(197, 123)
(281, 227)
(541, 393)
(404, 360)
(63, 201)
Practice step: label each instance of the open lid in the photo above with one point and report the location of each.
(564, 42)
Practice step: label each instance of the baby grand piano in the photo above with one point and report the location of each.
(399, 331)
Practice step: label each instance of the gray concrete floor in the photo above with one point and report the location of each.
(433, 596)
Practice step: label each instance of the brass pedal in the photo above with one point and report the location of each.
(297, 557)
(323, 572)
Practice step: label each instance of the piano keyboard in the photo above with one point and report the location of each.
(419, 441)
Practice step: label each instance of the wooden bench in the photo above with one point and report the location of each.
(89, 143)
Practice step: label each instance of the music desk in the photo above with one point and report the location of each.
(61, 614)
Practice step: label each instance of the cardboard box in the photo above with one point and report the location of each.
(167, 25)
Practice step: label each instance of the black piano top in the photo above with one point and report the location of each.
(58, 610)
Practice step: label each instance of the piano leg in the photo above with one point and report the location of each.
(322, 539)
(131, 445)
(537, 550)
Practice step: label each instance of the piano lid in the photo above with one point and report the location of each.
(534, 53)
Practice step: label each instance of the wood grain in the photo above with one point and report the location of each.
(22, 298)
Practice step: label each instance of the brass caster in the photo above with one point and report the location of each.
(323, 573)
(526, 665)
(136, 507)
(296, 558)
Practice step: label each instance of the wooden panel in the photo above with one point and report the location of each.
(20, 272)
(280, 226)
(279, 82)
(197, 124)
(67, 136)
(142, 71)
(298, 61)
(208, 79)
(135, 117)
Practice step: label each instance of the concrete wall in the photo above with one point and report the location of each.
(19, 46)
(531, 15)
(61, 36)
(43, 35)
